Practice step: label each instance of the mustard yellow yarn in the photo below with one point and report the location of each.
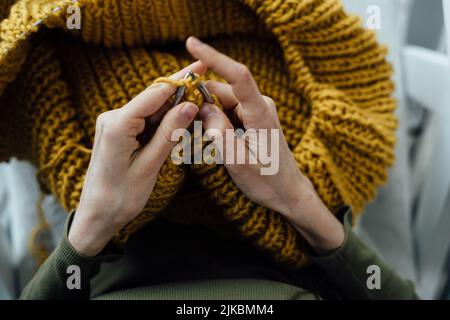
(36, 243)
(327, 75)
(192, 93)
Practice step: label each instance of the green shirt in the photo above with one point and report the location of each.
(168, 261)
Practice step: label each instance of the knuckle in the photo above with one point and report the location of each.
(211, 85)
(271, 107)
(222, 132)
(110, 123)
(101, 118)
(269, 101)
(161, 90)
(243, 72)
(168, 127)
(166, 134)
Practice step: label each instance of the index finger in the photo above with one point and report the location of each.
(237, 74)
(153, 97)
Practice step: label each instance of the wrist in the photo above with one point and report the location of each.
(87, 237)
(314, 221)
(302, 203)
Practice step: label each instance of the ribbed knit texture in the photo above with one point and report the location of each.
(327, 75)
(249, 289)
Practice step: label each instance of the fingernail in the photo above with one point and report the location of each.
(188, 111)
(207, 110)
(195, 41)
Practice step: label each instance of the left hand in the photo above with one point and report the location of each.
(122, 173)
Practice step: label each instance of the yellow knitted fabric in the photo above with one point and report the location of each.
(327, 75)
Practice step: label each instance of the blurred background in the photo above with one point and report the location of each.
(409, 222)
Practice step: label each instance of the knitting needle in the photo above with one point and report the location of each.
(181, 90)
(204, 91)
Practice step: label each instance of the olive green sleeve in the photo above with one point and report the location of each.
(66, 274)
(359, 273)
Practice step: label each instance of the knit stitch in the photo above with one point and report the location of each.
(327, 75)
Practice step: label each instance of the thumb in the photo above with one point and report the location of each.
(219, 128)
(157, 150)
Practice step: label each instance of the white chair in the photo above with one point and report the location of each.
(427, 81)
(19, 192)
(6, 265)
(386, 223)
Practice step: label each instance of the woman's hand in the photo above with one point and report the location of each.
(121, 173)
(288, 191)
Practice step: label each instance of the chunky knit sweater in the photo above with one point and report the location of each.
(327, 75)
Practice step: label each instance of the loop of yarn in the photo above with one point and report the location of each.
(192, 93)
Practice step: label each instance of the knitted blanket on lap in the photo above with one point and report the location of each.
(326, 73)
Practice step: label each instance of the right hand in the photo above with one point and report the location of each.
(122, 173)
(286, 191)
